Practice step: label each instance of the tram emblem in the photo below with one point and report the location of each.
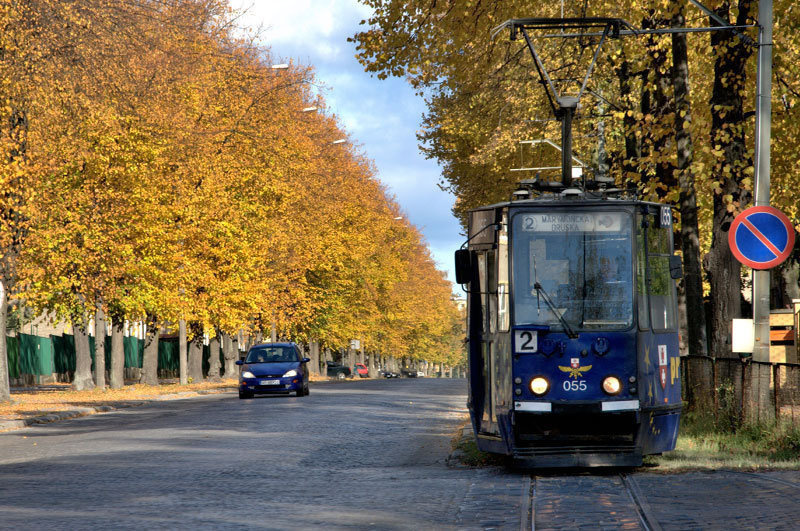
(575, 370)
(663, 363)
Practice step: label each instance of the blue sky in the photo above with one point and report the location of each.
(382, 117)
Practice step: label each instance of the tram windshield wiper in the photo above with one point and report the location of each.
(540, 291)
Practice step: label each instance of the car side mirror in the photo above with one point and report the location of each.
(464, 264)
(306, 360)
(675, 267)
(239, 362)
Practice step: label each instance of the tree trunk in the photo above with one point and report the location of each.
(229, 353)
(99, 347)
(313, 353)
(184, 379)
(196, 353)
(213, 357)
(727, 135)
(326, 358)
(150, 358)
(5, 384)
(116, 375)
(632, 149)
(83, 358)
(696, 340)
(373, 366)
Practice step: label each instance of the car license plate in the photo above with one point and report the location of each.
(269, 382)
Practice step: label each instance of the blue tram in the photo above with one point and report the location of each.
(572, 328)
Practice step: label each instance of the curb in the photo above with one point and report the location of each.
(456, 457)
(8, 425)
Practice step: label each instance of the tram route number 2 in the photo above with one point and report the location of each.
(525, 341)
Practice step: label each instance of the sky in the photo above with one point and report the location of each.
(381, 117)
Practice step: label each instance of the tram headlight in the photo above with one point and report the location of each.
(612, 385)
(539, 385)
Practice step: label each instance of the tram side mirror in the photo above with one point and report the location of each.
(464, 266)
(675, 267)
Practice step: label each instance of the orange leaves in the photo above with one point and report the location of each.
(176, 175)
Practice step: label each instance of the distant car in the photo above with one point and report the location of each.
(408, 373)
(420, 374)
(273, 368)
(337, 370)
(362, 370)
(389, 374)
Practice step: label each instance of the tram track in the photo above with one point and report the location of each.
(613, 500)
(646, 517)
(793, 485)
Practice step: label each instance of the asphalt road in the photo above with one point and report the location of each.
(363, 454)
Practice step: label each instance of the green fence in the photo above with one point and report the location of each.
(29, 354)
(36, 355)
(12, 345)
(168, 355)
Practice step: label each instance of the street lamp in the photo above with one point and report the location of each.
(340, 141)
(310, 109)
(282, 66)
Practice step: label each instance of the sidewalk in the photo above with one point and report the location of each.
(53, 402)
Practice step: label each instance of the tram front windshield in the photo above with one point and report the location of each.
(573, 266)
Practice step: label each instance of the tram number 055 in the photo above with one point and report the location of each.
(574, 385)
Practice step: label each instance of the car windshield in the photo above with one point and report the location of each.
(573, 267)
(271, 355)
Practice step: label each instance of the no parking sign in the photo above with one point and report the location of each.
(761, 237)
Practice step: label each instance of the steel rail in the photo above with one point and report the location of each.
(648, 521)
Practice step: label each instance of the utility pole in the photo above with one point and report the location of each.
(761, 278)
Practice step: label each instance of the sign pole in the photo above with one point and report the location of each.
(761, 278)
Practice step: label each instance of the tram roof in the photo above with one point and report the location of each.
(552, 199)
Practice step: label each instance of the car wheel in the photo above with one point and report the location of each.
(243, 396)
(341, 376)
(306, 391)
(299, 392)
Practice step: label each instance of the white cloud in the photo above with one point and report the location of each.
(308, 24)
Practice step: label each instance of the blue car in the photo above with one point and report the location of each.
(277, 368)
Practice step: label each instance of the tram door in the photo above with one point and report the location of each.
(657, 311)
(486, 349)
(487, 269)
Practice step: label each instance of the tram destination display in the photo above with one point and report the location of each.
(572, 222)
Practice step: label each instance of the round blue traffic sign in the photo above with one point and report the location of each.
(761, 237)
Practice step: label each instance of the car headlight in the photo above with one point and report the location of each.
(248, 374)
(612, 385)
(290, 373)
(539, 385)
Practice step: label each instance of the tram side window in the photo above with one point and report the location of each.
(503, 316)
(661, 287)
(483, 288)
(491, 285)
(643, 308)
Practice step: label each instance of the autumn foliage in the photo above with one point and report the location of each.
(154, 164)
(669, 115)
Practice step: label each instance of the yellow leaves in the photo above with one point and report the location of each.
(178, 178)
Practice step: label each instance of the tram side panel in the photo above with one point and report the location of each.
(659, 391)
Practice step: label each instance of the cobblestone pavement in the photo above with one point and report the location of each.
(368, 454)
(357, 455)
(696, 500)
